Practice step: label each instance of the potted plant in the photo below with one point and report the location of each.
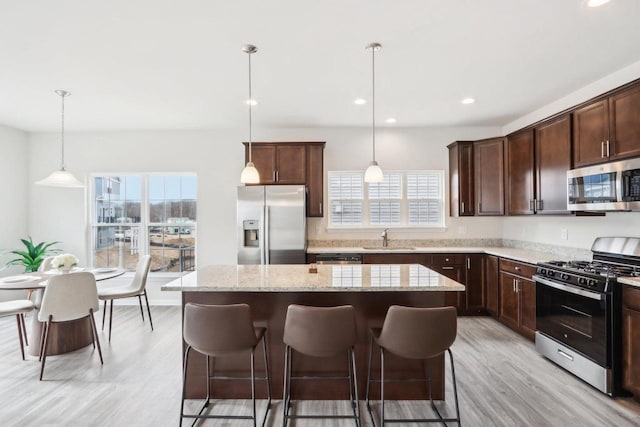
(32, 257)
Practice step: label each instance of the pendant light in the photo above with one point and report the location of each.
(250, 174)
(373, 172)
(62, 177)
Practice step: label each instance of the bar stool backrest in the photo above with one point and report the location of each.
(218, 330)
(418, 333)
(320, 331)
(69, 296)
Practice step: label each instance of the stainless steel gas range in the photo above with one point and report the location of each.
(578, 311)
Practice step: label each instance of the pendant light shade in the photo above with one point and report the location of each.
(374, 172)
(62, 177)
(250, 174)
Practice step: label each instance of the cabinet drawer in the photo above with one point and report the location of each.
(631, 297)
(447, 259)
(519, 268)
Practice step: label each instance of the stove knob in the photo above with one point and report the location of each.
(551, 273)
(564, 276)
(582, 281)
(542, 271)
(592, 282)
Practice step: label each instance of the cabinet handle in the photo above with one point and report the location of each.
(602, 149)
(447, 268)
(513, 283)
(468, 263)
(274, 176)
(462, 208)
(277, 176)
(608, 149)
(320, 204)
(516, 268)
(517, 285)
(479, 207)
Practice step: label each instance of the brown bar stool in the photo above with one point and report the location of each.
(414, 333)
(219, 331)
(320, 332)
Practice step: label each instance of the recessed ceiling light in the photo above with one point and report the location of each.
(360, 101)
(467, 101)
(251, 102)
(391, 120)
(596, 3)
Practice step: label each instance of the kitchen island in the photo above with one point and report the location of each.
(270, 289)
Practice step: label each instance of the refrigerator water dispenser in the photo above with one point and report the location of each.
(251, 229)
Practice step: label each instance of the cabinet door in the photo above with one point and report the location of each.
(527, 290)
(553, 160)
(455, 272)
(264, 158)
(631, 351)
(489, 176)
(461, 187)
(590, 133)
(315, 184)
(625, 123)
(291, 167)
(491, 281)
(474, 282)
(520, 173)
(508, 300)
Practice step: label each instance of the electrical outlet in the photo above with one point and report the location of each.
(564, 234)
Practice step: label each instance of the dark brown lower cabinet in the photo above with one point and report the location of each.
(492, 286)
(631, 340)
(517, 297)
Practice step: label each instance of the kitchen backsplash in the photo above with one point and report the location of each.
(562, 252)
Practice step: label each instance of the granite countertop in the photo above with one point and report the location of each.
(522, 255)
(631, 281)
(329, 278)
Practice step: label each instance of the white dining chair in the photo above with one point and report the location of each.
(46, 264)
(137, 288)
(69, 296)
(18, 308)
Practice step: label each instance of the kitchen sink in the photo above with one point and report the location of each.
(380, 248)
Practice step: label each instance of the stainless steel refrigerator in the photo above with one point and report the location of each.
(272, 224)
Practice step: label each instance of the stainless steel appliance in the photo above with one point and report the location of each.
(578, 311)
(272, 225)
(608, 187)
(339, 258)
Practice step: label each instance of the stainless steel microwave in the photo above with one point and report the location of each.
(611, 186)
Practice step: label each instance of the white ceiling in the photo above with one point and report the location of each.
(169, 64)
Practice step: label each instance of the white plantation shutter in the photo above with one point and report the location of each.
(345, 197)
(385, 199)
(425, 197)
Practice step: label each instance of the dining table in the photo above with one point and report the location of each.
(65, 336)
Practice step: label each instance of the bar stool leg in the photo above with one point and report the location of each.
(253, 387)
(355, 387)
(184, 382)
(285, 389)
(266, 375)
(382, 385)
(455, 386)
(367, 401)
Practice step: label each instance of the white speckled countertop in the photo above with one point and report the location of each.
(631, 281)
(523, 255)
(329, 278)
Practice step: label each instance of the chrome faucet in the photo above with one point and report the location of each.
(385, 238)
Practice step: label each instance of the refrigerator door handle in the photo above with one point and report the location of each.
(261, 237)
(266, 235)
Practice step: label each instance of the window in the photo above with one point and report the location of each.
(133, 215)
(404, 198)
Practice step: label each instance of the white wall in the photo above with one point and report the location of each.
(13, 206)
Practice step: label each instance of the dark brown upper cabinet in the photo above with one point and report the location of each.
(285, 163)
(489, 176)
(461, 179)
(537, 163)
(607, 129)
(552, 140)
(520, 166)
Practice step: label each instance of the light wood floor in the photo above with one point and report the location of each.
(502, 381)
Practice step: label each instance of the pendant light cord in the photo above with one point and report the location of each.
(62, 165)
(373, 99)
(250, 102)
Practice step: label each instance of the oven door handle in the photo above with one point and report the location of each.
(571, 289)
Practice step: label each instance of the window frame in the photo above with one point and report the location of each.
(404, 204)
(145, 218)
